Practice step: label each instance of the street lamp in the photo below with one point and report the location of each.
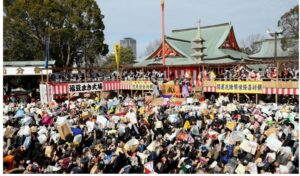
(275, 34)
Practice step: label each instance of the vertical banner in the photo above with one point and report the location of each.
(117, 50)
(46, 93)
(50, 93)
(43, 93)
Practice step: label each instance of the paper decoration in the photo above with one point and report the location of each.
(266, 111)
(237, 136)
(61, 120)
(252, 168)
(262, 127)
(173, 118)
(231, 125)
(151, 147)
(158, 124)
(86, 115)
(102, 121)
(271, 131)
(9, 132)
(132, 119)
(24, 130)
(249, 146)
(231, 107)
(90, 126)
(143, 157)
(64, 131)
(187, 125)
(148, 168)
(48, 151)
(42, 139)
(195, 130)
(273, 143)
(240, 169)
(173, 135)
(189, 100)
(77, 139)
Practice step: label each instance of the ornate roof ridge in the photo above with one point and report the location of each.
(203, 27)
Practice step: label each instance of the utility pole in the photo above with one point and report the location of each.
(85, 62)
(275, 34)
(163, 31)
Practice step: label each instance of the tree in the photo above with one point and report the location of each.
(251, 44)
(152, 47)
(126, 57)
(75, 29)
(289, 22)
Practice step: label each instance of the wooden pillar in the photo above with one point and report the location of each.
(168, 74)
(121, 71)
(277, 69)
(163, 32)
(68, 102)
(202, 82)
(238, 95)
(47, 76)
(85, 73)
(256, 98)
(42, 77)
(239, 67)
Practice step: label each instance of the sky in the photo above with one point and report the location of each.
(141, 19)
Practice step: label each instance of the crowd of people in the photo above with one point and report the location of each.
(233, 74)
(135, 135)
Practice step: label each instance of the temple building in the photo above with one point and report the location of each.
(285, 58)
(267, 50)
(25, 74)
(210, 47)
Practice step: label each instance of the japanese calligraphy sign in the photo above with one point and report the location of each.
(239, 87)
(141, 85)
(85, 87)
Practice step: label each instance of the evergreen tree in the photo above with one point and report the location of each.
(75, 29)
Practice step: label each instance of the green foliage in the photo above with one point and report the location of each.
(126, 57)
(289, 22)
(251, 44)
(73, 27)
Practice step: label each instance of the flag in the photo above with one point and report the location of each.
(117, 49)
(47, 52)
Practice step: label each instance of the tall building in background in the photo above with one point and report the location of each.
(129, 43)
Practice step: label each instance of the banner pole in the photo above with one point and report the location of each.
(256, 98)
(68, 102)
